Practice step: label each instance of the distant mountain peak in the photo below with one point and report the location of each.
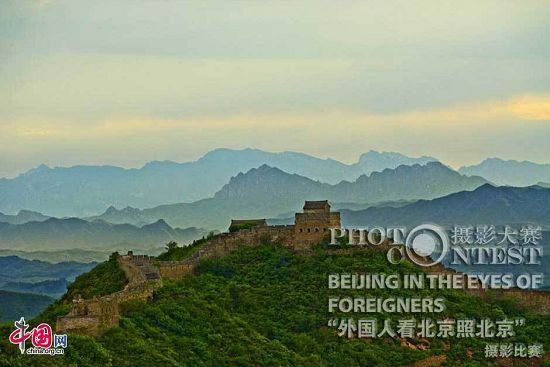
(111, 209)
(376, 154)
(495, 159)
(58, 234)
(405, 168)
(86, 191)
(160, 222)
(433, 164)
(509, 172)
(265, 168)
(129, 210)
(225, 152)
(487, 204)
(39, 169)
(159, 225)
(42, 167)
(488, 187)
(163, 163)
(126, 210)
(375, 161)
(23, 212)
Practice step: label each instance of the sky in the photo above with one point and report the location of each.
(125, 82)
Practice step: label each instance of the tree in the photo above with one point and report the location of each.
(171, 246)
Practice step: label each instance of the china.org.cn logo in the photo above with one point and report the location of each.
(43, 340)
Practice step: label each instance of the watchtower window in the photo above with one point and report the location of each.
(309, 230)
(316, 229)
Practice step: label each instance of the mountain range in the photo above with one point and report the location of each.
(39, 277)
(70, 233)
(509, 172)
(16, 269)
(88, 190)
(268, 191)
(83, 191)
(487, 204)
(14, 305)
(57, 256)
(23, 216)
(52, 288)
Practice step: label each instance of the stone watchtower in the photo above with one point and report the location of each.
(313, 224)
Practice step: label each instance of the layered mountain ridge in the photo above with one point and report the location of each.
(486, 205)
(509, 172)
(70, 233)
(268, 191)
(87, 190)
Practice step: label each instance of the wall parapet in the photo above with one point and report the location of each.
(92, 316)
(145, 273)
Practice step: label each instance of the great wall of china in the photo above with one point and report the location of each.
(145, 273)
(92, 316)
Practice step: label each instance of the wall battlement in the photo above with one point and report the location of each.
(145, 273)
(92, 316)
(225, 243)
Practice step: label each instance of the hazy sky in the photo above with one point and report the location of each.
(124, 82)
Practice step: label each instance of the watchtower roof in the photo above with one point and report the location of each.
(316, 204)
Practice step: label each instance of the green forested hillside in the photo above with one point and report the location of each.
(267, 306)
(13, 305)
(105, 278)
(53, 288)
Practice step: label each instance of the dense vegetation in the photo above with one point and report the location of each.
(105, 278)
(175, 252)
(13, 305)
(14, 268)
(241, 226)
(266, 306)
(53, 288)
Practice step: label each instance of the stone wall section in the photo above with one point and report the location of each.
(225, 243)
(145, 274)
(92, 316)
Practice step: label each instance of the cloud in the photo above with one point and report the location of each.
(521, 108)
(458, 134)
(531, 108)
(513, 110)
(37, 132)
(81, 83)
